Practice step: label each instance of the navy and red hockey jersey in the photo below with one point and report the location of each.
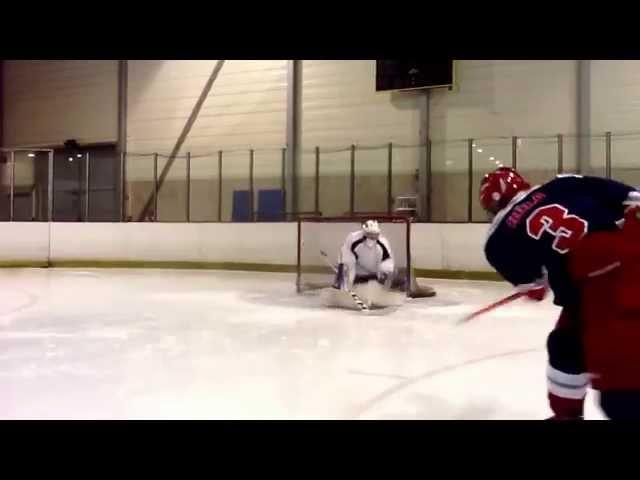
(539, 226)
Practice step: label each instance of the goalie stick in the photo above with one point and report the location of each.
(357, 300)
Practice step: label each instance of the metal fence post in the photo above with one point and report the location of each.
(50, 189)
(352, 181)
(316, 183)
(86, 186)
(12, 186)
(283, 180)
(607, 162)
(123, 187)
(219, 185)
(188, 186)
(34, 207)
(470, 180)
(560, 154)
(155, 187)
(389, 177)
(252, 213)
(429, 180)
(514, 152)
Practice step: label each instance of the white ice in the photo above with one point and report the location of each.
(147, 344)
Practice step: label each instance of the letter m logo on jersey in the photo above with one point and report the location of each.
(556, 220)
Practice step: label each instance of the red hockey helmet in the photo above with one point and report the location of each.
(498, 188)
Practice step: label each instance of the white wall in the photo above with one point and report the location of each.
(494, 100)
(246, 108)
(615, 95)
(272, 243)
(434, 246)
(49, 101)
(340, 106)
(442, 246)
(506, 97)
(28, 241)
(615, 107)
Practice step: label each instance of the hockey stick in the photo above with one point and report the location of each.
(319, 286)
(488, 308)
(326, 259)
(357, 300)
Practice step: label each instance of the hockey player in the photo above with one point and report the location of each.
(570, 235)
(366, 255)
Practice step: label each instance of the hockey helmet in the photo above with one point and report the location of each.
(371, 229)
(498, 188)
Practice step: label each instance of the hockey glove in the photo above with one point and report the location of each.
(533, 291)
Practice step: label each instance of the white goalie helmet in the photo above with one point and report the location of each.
(371, 229)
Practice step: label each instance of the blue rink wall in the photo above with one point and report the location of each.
(438, 250)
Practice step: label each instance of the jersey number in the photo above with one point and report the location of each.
(567, 229)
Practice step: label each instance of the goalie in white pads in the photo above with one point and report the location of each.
(366, 255)
(367, 268)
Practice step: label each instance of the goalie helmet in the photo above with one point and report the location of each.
(498, 188)
(371, 229)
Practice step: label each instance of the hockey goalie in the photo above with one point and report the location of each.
(367, 268)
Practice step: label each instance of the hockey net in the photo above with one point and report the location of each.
(318, 234)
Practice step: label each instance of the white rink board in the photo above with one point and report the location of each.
(24, 241)
(197, 242)
(449, 246)
(433, 246)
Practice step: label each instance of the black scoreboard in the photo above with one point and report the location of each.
(413, 74)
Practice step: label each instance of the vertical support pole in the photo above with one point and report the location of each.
(316, 183)
(583, 102)
(389, 178)
(155, 187)
(423, 158)
(12, 186)
(607, 160)
(429, 177)
(50, 189)
(560, 154)
(123, 79)
(252, 213)
(219, 185)
(514, 152)
(352, 181)
(123, 187)
(188, 186)
(294, 131)
(86, 186)
(470, 180)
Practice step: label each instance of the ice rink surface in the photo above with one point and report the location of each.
(178, 344)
